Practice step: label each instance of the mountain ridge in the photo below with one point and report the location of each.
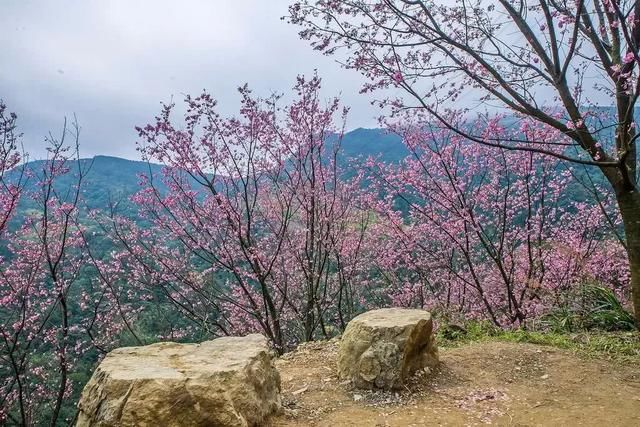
(111, 179)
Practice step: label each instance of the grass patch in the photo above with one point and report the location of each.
(618, 345)
(592, 322)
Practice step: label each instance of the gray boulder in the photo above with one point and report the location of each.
(225, 382)
(383, 348)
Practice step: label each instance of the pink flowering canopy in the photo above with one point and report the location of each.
(571, 67)
(260, 230)
(56, 308)
(488, 234)
(9, 159)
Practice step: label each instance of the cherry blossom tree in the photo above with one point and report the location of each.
(45, 328)
(251, 221)
(552, 61)
(321, 247)
(9, 158)
(489, 233)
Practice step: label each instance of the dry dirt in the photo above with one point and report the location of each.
(477, 384)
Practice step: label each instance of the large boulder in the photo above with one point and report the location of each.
(383, 348)
(225, 382)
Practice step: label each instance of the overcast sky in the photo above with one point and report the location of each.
(113, 62)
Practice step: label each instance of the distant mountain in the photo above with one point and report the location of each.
(107, 180)
(374, 142)
(113, 179)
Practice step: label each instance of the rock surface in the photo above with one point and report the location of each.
(225, 382)
(383, 348)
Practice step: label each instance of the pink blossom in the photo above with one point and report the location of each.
(629, 57)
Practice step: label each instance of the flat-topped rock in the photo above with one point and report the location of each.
(383, 348)
(392, 317)
(224, 382)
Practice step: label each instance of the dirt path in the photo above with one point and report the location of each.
(483, 383)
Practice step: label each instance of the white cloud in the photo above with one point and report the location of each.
(112, 62)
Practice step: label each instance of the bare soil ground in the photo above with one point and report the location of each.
(481, 383)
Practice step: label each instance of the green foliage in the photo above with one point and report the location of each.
(605, 311)
(623, 346)
(593, 307)
(110, 181)
(454, 334)
(592, 323)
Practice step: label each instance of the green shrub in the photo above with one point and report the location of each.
(605, 310)
(592, 307)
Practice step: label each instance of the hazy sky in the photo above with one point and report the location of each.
(111, 62)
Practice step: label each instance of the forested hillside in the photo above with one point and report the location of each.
(111, 181)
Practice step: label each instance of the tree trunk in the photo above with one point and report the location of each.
(629, 203)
